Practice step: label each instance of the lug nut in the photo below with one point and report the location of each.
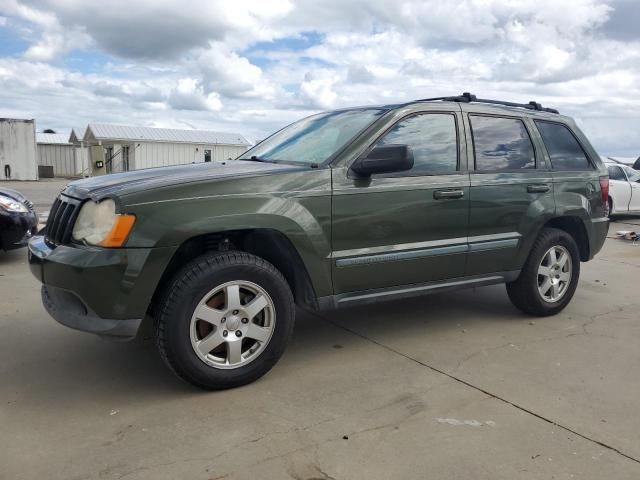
(224, 319)
(225, 333)
(245, 320)
(238, 333)
(235, 312)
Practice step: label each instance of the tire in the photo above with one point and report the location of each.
(525, 292)
(208, 284)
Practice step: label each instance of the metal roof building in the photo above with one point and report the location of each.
(18, 149)
(131, 148)
(58, 153)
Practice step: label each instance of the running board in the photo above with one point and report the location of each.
(364, 297)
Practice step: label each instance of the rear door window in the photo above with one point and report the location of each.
(564, 150)
(501, 144)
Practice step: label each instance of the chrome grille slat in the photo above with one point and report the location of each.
(62, 216)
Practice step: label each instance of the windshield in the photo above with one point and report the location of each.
(634, 175)
(313, 139)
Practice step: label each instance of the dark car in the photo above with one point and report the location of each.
(18, 219)
(342, 208)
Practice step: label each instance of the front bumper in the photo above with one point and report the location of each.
(98, 290)
(67, 309)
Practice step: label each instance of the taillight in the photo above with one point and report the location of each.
(604, 189)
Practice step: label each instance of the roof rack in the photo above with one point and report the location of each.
(467, 97)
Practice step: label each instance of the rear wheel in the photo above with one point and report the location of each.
(550, 275)
(225, 320)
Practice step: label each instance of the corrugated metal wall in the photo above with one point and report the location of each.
(82, 161)
(149, 154)
(18, 149)
(60, 157)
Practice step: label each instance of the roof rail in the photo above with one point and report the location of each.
(467, 97)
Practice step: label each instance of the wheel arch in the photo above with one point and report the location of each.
(575, 227)
(269, 244)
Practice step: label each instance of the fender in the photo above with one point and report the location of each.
(302, 214)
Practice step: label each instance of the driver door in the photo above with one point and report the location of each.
(410, 227)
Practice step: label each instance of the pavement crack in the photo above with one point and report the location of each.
(495, 396)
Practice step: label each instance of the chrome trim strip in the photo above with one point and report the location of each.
(494, 236)
(408, 251)
(400, 247)
(396, 256)
(495, 245)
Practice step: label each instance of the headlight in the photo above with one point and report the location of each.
(98, 224)
(7, 203)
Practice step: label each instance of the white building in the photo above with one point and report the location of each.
(55, 150)
(18, 149)
(123, 148)
(81, 151)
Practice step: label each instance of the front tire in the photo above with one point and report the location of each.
(224, 320)
(550, 275)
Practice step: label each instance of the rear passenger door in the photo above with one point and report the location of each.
(511, 190)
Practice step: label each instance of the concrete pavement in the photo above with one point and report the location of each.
(457, 385)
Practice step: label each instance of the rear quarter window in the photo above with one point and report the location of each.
(562, 146)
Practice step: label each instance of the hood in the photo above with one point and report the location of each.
(7, 192)
(151, 178)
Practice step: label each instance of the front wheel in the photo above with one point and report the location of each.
(550, 275)
(225, 320)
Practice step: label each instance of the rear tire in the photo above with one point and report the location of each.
(550, 275)
(210, 333)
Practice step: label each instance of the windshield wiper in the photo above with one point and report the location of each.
(256, 159)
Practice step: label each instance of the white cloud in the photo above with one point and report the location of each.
(189, 95)
(211, 63)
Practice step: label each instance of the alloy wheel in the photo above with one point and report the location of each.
(554, 274)
(232, 324)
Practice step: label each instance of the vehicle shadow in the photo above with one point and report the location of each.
(12, 256)
(80, 367)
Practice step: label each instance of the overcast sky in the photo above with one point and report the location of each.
(254, 66)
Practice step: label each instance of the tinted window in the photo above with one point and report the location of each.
(563, 148)
(632, 175)
(615, 173)
(501, 144)
(432, 138)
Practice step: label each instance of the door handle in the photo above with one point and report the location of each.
(448, 194)
(538, 188)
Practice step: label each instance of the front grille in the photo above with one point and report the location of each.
(29, 205)
(62, 216)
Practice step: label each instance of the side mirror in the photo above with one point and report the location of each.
(384, 159)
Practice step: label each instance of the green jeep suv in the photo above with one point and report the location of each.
(341, 208)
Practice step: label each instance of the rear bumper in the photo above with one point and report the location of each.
(98, 290)
(599, 229)
(16, 229)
